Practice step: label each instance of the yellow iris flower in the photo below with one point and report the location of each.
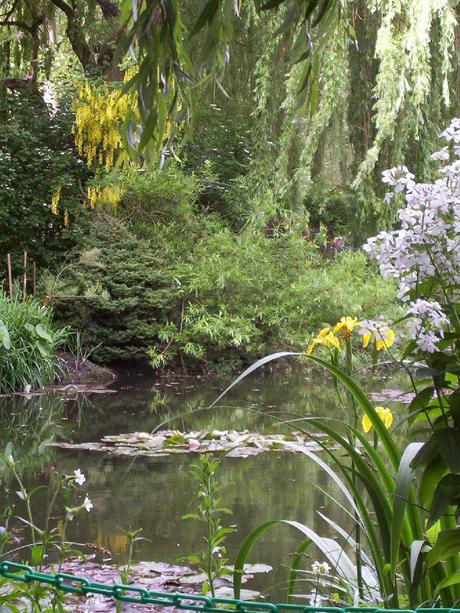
(385, 415)
(383, 337)
(326, 338)
(346, 325)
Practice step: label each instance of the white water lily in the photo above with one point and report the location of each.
(79, 477)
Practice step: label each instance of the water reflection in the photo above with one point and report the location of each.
(154, 493)
(29, 425)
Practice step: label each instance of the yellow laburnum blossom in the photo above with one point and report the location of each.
(346, 325)
(99, 114)
(55, 201)
(107, 195)
(326, 338)
(385, 415)
(383, 336)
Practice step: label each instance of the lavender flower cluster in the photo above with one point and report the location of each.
(426, 247)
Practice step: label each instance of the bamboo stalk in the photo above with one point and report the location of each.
(24, 281)
(34, 277)
(10, 275)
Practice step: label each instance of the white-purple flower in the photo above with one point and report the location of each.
(426, 247)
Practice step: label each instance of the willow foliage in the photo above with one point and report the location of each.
(406, 54)
(405, 76)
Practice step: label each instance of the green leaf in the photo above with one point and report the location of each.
(206, 16)
(36, 555)
(422, 399)
(42, 333)
(447, 441)
(416, 568)
(253, 367)
(329, 547)
(447, 545)
(296, 561)
(448, 581)
(447, 493)
(401, 498)
(4, 336)
(43, 348)
(429, 480)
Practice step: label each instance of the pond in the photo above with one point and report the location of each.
(154, 493)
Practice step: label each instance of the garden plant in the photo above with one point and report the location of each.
(414, 544)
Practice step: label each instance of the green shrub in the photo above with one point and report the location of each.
(116, 291)
(164, 279)
(247, 295)
(28, 344)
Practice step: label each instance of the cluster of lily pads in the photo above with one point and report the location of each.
(166, 442)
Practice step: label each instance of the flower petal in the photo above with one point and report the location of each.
(366, 423)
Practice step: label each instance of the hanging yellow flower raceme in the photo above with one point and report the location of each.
(345, 326)
(383, 336)
(105, 195)
(385, 415)
(99, 114)
(326, 338)
(55, 201)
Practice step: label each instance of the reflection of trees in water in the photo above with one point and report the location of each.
(154, 493)
(30, 424)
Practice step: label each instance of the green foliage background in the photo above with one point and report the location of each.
(179, 284)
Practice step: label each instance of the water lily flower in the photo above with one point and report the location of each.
(383, 336)
(87, 504)
(346, 326)
(326, 338)
(79, 477)
(385, 415)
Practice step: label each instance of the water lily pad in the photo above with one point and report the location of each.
(169, 442)
(253, 569)
(227, 592)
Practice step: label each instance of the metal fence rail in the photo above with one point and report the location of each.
(189, 602)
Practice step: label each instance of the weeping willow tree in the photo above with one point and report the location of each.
(336, 89)
(383, 81)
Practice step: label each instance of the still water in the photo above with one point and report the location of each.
(154, 493)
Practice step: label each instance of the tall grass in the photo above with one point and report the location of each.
(28, 344)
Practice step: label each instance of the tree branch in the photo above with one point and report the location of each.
(65, 8)
(18, 24)
(109, 9)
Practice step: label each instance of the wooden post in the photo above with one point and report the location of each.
(34, 278)
(24, 282)
(10, 276)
